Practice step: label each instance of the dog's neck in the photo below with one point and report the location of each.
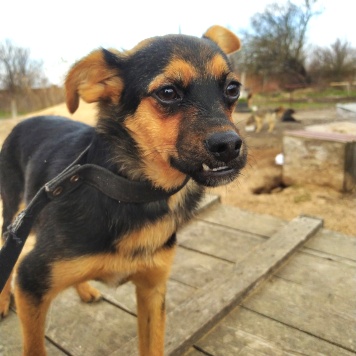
(119, 149)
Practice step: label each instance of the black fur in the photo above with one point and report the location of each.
(88, 222)
(288, 116)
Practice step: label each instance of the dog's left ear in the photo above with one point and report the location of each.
(224, 38)
(94, 78)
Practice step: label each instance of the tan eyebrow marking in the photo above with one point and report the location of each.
(178, 70)
(217, 66)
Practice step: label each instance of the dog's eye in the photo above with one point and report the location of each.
(168, 94)
(232, 91)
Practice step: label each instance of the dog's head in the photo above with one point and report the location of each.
(174, 95)
(280, 110)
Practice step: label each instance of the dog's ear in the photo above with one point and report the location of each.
(94, 78)
(224, 38)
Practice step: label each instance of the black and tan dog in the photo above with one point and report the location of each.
(165, 114)
(259, 118)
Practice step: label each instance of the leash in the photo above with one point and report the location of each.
(70, 179)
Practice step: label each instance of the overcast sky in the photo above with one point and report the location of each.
(61, 32)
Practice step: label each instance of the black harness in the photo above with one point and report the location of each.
(71, 178)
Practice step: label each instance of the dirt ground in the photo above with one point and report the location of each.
(260, 189)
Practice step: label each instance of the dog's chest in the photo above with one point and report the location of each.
(142, 245)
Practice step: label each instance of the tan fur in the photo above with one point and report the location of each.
(87, 293)
(177, 70)
(156, 139)
(225, 39)
(150, 294)
(92, 80)
(216, 66)
(259, 118)
(33, 318)
(5, 298)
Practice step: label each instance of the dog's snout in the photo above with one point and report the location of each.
(225, 146)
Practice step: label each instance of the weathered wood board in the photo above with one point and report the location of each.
(216, 240)
(88, 329)
(263, 225)
(124, 296)
(328, 316)
(10, 338)
(212, 300)
(307, 306)
(334, 244)
(245, 331)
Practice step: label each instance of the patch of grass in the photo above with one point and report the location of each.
(4, 114)
(308, 98)
(332, 93)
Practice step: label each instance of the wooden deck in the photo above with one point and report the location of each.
(241, 284)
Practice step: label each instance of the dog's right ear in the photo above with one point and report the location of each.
(94, 78)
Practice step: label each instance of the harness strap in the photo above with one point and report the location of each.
(71, 178)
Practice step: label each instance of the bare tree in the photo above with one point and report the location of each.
(275, 45)
(18, 72)
(335, 63)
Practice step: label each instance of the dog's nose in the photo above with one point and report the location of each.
(225, 146)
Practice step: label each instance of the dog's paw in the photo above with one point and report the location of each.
(87, 293)
(5, 300)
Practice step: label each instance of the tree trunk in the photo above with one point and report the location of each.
(13, 108)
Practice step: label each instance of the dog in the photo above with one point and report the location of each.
(259, 118)
(288, 116)
(164, 117)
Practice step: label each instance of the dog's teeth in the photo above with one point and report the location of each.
(219, 168)
(206, 167)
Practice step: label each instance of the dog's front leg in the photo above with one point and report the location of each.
(32, 314)
(5, 298)
(151, 310)
(151, 319)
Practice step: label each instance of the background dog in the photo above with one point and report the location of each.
(165, 116)
(259, 118)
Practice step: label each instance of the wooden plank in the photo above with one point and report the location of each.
(246, 331)
(216, 240)
(11, 341)
(208, 201)
(88, 329)
(334, 243)
(327, 256)
(316, 272)
(194, 352)
(125, 297)
(196, 270)
(213, 300)
(314, 310)
(264, 225)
